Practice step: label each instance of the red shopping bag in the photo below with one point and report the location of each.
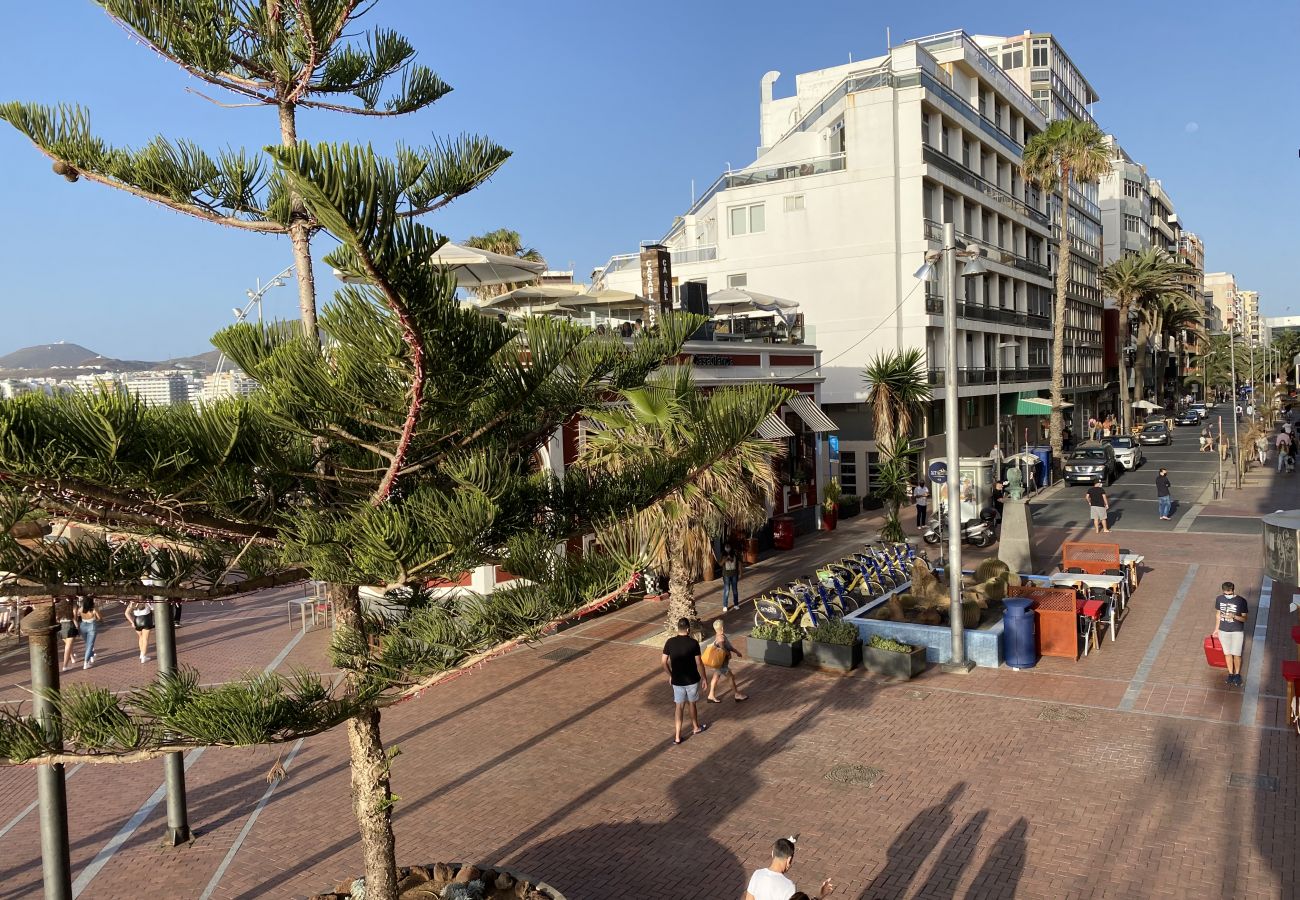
(1214, 652)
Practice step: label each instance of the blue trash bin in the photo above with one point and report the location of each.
(1044, 474)
(1019, 635)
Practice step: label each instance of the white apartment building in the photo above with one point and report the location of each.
(1221, 293)
(1038, 63)
(1125, 201)
(231, 383)
(158, 389)
(857, 171)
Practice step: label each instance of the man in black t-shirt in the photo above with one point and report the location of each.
(1230, 614)
(1099, 507)
(685, 670)
(1163, 494)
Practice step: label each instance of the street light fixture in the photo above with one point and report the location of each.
(953, 251)
(997, 412)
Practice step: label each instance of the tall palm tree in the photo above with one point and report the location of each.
(508, 243)
(1181, 321)
(898, 390)
(731, 483)
(1067, 152)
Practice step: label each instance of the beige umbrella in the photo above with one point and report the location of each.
(531, 295)
(473, 268)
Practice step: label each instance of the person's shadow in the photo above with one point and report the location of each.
(953, 859)
(912, 847)
(1000, 874)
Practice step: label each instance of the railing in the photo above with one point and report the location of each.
(623, 261)
(966, 176)
(973, 376)
(934, 231)
(858, 81)
(694, 254)
(817, 166)
(976, 312)
(970, 113)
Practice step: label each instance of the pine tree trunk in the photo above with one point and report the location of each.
(300, 235)
(372, 797)
(1057, 421)
(681, 593)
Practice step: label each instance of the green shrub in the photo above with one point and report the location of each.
(781, 633)
(880, 642)
(850, 506)
(834, 631)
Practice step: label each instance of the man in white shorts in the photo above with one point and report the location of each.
(686, 672)
(1230, 614)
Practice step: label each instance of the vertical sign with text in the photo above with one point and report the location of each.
(656, 282)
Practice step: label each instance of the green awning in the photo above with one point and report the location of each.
(1033, 405)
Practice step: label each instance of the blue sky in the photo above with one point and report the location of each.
(611, 110)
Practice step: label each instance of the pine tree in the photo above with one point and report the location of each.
(394, 451)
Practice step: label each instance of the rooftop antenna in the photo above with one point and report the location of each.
(255, 296)
(889, 41)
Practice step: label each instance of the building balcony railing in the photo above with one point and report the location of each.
(965, 310)
(956, 170)
(967, 111)
(934, 231)
(816, 166)
(1006, 375)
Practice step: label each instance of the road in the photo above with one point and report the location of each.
(1133, 496)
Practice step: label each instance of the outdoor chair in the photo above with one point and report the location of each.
(1089, 626)
(1121, 595)
(1074, 570)
(1291, 673)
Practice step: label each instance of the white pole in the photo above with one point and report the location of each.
(958, 662)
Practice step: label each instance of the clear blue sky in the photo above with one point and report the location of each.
(611, 109)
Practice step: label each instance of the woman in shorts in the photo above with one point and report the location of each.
(90, 621)
(716, 673)
(65, 615)
(140, 614)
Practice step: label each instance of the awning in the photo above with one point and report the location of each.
(773, 429)
(1033, 405)
(812, 414)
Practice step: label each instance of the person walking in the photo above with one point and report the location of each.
(140, 614)
(730, 565)
(686, 673)
(90, 621)
(1163, 495)
(772, 883)
(65, 614)
(921, 494)
(1099, 507)
(1261, 449)
(1092, 428)
(1230, 614)
(1283, 441)
(717, 657)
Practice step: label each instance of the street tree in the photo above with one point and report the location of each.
(897, 392)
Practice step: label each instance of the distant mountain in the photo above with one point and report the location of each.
(63, 360)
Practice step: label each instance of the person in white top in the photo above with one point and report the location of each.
(921, 494)
(771, 883)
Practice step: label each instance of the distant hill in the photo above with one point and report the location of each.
(63, 360)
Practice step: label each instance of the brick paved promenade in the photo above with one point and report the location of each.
(1126, 774)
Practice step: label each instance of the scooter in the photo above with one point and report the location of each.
(978, 532)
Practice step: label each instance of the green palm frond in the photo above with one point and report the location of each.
(898, 388)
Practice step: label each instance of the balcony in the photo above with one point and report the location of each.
(800, 169)
(934, 231)
(956, 170)
(972, 376)
(976, 312)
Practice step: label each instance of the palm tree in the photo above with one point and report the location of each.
(507, 243)
(731, 483)
(1068, 152)
(898, 388)
(1181, 320)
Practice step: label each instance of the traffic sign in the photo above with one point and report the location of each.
(939, 472)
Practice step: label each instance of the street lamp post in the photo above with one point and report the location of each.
(951, 253)
(1236, 448)
(997, 412)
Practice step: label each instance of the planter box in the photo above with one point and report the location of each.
(833, 657)
(749, 551)
(774, 653)
(869, 502)
(829, 519)
(894, 664)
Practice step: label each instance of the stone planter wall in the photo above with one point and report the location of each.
(842, 658)
(983, 645)
(774, 653)
(894, 664)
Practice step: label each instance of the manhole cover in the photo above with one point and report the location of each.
(1256, 782)
(862, 776)
(917, 695)
(561, 654)
(1062, 714)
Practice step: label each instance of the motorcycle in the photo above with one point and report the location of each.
(979, 532)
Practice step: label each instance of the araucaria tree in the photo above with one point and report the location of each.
(1066, 153)
(395, 451)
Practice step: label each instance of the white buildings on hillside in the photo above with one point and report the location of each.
(157, 388)
(857, 171)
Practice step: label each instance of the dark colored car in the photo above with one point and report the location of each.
(1188, 417)
(1090, 462)
(1155, 433)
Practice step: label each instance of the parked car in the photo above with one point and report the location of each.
(1200, 409)
(1091, 461)
(1155, 433)
(1128, 452)
(1188, 417)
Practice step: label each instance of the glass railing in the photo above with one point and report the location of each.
(934, 231)
(799, 169)
(980, 313)
(966, 176)
(694, 254)
(968, 376)
(858, 81)
(963, 107)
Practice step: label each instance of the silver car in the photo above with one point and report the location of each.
(1128, 452)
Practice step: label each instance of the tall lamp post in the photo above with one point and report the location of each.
(1236, 447)
(953, 252)
(997, 411)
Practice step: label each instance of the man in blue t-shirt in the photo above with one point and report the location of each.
(1230, 614)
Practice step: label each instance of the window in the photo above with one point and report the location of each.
(1013, 59)
(1132, 188)
(925, 128)
(873, 469)
(849, 471)
(1133, 224)
(1043, 98)
(737, 281)
(747, 219)
(793, 202)
(1039, 57)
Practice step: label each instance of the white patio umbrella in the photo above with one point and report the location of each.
(734, 301)
(531, 295)
(474, 268)
(1146, 405)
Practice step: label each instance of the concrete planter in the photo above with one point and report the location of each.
(774, 653)
(894, 664)
(841, 658)
(830, 518)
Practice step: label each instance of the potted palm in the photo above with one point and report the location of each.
(779, 644)
(830, 505)
(886, 656)
(833, 646)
